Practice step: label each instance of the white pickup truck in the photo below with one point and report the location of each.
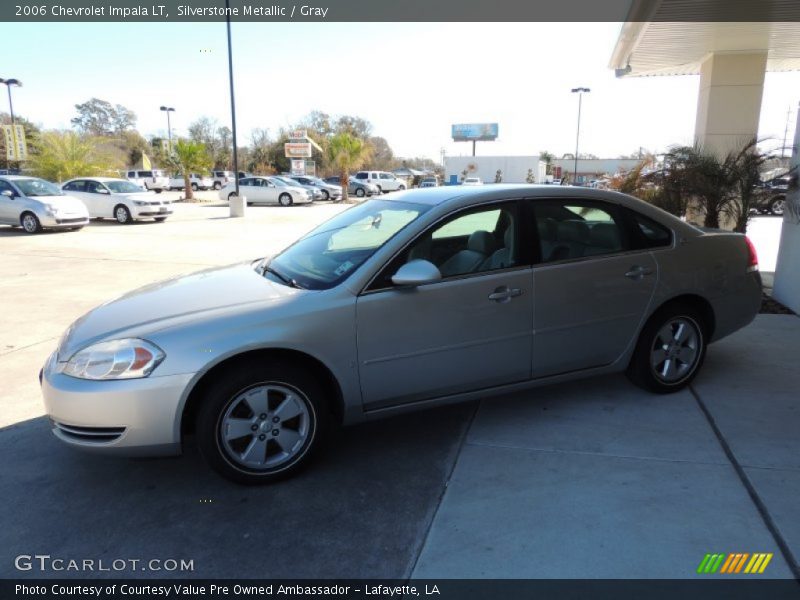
(197, 181)
(383, 180)
(152, 179)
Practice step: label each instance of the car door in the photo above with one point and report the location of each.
(9, 213)
(469, 331)
(270, 191)
(592, 289)
(102, 200)
(248, 189)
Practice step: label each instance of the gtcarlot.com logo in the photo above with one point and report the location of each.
(734, 562)
(45, 562)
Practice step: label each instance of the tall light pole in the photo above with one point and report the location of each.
(580, 91)
(168, 109)
(233, 102)
(9, 83)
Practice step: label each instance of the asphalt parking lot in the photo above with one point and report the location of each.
(589, 479)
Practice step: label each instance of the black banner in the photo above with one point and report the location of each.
(405, 11)
(734, 588)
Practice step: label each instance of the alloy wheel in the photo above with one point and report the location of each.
(676, 350)
(266, 427)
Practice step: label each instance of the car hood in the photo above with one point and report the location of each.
(155, 306)
(66, 203)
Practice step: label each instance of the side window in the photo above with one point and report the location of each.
(474, 242)
(72, 186)
(145, 173)
(648, 233)
(572, 229)
(246, 181)
(92, 187)
(385, 176)
(132, 174)
(361, 175)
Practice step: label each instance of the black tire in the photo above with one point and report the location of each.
(360, 192)
(642, 370)
(158, 190)
(30, 222)
(160, 219)
(217, 185)
(777, 205)
(224, 397)
(401, 188)
(122, 214)
(194, 187)
(326, 195)
(285, 199)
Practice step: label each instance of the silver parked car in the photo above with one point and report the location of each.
(422, 298)
(35, 204)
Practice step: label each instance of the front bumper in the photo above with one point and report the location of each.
(63, 221)
(134, 417)
(143, 212)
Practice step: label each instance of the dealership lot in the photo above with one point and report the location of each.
(588, 479)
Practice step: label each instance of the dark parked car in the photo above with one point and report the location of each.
(772, 198)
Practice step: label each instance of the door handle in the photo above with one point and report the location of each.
(637, 272)
(504, 294)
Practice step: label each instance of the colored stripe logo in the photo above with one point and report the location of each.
(735, 562)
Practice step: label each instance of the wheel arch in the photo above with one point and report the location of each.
(326, 376)
(696, 301)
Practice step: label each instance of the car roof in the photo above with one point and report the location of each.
(97, 179)
(17, 177)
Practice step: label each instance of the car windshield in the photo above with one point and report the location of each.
(37, 187)
(330, 253)
(279, 182)
(288, 181)
(122, 187)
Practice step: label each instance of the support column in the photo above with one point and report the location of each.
(729, 105)
(786, 288)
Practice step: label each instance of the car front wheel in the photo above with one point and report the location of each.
(360, 192)
(30, 223)
(670, 350)
(285, 199)
(122, 214)
(777, 206)
(261, 422)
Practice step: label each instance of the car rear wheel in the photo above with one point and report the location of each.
(670, 350)
(325, 195)
(30, 223)
(261, 422)
(194, 187)
(285, 199)
(360, 192)
(401, 188)
(777, 206)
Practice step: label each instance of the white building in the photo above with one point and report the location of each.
(514, 168)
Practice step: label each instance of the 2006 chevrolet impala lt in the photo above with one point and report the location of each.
(420, 298)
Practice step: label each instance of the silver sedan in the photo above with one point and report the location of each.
(418, 299)
(35, 204)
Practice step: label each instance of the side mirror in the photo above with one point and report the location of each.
(103, 191)
(8, 193)
(416, 272)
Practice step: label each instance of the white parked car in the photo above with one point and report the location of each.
(197, 181)
(266, 190)
(472, 181)
(153, 179)
(35, 204)
(383, 180)
(109, 198)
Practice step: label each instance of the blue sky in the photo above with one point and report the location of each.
(411, 80)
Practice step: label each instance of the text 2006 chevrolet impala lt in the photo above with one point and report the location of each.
(417, 299)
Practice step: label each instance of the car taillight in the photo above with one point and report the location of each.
(752, 257)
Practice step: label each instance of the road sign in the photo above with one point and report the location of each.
(16, 146)
(297, 149)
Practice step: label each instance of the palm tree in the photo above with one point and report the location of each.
(189, 157)
(346, 153)
(745, 166)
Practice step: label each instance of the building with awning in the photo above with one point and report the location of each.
(676, 37)
(731, 45)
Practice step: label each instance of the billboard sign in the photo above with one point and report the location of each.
(299, 134)
(470, 132)
(311, 168)
(297, 149)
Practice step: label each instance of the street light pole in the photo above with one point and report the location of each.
(580, 91)
(168, 109)
(233, 102)
(8, 83)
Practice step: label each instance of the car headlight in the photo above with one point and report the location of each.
(129, 358)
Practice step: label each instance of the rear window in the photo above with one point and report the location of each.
(145, 173)
(649, 233)
(361, 175)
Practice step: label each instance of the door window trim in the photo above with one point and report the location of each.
(522, 233)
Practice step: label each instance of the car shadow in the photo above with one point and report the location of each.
(361, 509)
